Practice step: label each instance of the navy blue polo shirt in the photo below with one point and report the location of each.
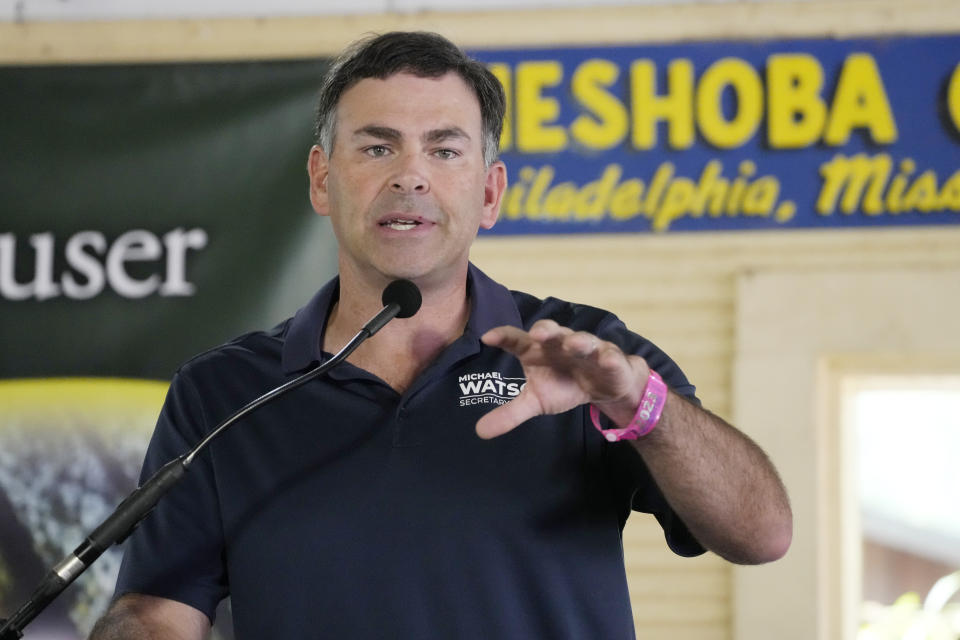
(347, 510)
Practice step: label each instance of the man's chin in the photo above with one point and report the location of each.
(422, 275)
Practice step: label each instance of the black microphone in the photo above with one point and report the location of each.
(401, 299)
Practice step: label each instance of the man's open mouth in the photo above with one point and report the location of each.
(400, 224)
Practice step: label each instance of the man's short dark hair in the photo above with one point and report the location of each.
(427, 55)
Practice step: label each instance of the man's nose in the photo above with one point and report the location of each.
(410, 177)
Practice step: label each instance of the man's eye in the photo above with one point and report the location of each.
(446, 154)
(376, 150)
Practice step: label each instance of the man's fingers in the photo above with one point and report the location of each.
(507, 338)
(544, 330)
(582, 345)
(548, 335)
(508, 416)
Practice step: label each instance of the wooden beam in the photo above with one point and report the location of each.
(79, 42)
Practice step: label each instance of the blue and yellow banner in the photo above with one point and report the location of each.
(731, 135)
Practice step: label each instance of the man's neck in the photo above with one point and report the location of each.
(404, 347)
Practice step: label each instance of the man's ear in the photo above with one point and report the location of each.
(493, 192)
(317, 169)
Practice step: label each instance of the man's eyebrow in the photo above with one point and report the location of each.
(377, 131)
(439, 135)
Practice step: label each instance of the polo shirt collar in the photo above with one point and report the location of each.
(301, 346)
(491, 305)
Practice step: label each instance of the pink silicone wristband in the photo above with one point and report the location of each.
(652, 401)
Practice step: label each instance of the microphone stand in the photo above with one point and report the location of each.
(141, 502)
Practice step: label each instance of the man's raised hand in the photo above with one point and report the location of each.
(564, 369)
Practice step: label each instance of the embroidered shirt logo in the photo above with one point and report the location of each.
(488, 388)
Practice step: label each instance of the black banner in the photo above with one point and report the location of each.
(147, 212)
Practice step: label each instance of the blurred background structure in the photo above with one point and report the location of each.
(768, 190)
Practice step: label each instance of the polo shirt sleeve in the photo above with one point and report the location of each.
(626, 465)
(641, 493)
(177, 551)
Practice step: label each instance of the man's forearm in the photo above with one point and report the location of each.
(122, 625)
(720, 483)
(141, 617)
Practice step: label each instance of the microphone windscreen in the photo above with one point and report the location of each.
(404, 293)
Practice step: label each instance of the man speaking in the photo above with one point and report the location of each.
(390, 498)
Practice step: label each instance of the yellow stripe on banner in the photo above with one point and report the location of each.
(89, 397)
